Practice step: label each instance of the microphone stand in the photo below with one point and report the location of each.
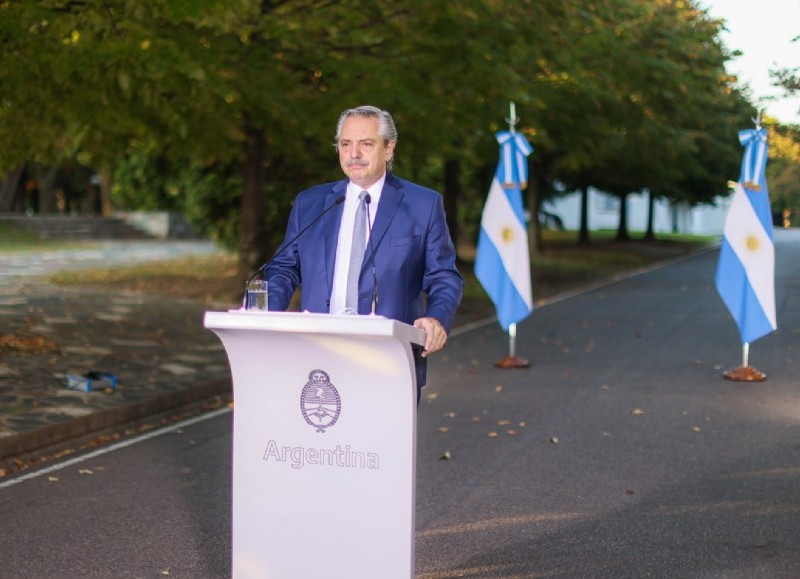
(281, 249)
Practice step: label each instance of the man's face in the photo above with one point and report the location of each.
(362, 153)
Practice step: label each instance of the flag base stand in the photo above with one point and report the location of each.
(745, 374)
(512, 362)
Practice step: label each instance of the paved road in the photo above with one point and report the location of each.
(636, 459)
(622, 452)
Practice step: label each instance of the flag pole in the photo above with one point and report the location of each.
(512, 360)
(512, 340)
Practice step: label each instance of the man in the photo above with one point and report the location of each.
(414, 257)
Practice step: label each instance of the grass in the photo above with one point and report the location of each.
(210, 279)
(15, 239)
(564, 265)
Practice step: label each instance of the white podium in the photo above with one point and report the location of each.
(324, 444)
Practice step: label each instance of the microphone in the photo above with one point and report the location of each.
(368, 200)
(281, 249)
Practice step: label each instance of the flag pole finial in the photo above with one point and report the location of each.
(512, 118)
(757, 120)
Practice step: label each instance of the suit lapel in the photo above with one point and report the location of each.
(391, 197)
(332, 230)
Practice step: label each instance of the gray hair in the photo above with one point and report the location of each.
(386, 128)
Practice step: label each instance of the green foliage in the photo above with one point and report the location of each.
(620, 94)
(211, 203)
(206, 196)
(143, 181)
(783, 172)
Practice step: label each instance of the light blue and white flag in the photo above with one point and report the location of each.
(502, 261)
(746, 269)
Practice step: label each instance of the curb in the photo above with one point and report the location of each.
(68, 433)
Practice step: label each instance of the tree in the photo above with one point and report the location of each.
(783, 171)
(621, 95)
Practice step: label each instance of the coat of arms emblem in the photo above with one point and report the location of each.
(319, 401)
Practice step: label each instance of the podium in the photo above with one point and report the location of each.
(324, 444)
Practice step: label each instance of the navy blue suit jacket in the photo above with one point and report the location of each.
(414, 257)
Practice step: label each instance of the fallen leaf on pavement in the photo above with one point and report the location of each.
(446, 455)
(443, 429)
(637, 412)
(29, 344)
(554, 439)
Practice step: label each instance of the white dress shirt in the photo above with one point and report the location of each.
(345, 241)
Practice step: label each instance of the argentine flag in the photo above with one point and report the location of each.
(746, 270)
(502, 261)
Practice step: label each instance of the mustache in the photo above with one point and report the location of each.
(356, 162)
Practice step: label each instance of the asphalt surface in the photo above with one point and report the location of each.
(154, 352)
(621, 452)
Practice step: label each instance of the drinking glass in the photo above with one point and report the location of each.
(257, 296)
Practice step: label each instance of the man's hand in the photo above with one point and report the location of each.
(435, 336)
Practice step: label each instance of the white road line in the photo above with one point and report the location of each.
(111, 448)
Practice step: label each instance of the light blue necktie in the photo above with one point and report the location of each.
(356, 255)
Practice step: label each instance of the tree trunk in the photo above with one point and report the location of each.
(452, 193)
(622, 230)
(105, 192)
(535, 184)
(583, 233)
(650, 233)
(46, 179)
(252, 230)
(10, 189)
